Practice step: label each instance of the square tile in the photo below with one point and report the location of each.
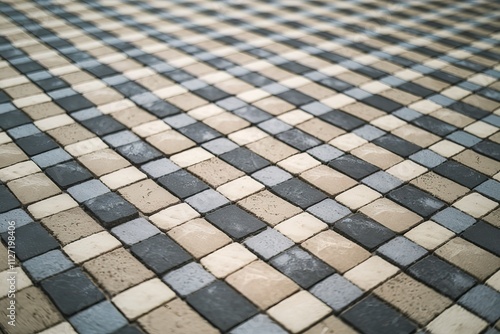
(429, 235)
(458, 320)
(87, 190)
(363, 230)
(401, 251)
(159, 167)
(357, 197)
(353, 166)
(102, 317)
(298, 163)
(328, 179)
(188, 279)
(207, 200)
(481, 300)
(103, 162)
(227, 260)
(272, 149)
(68, 174)
(271, 176)
(374, 155)
(235, 222)
(173, 216)
(33, 188)
(245, 160)
(371, 273)
(299, 193)
(406, 170)
(260, 323)
(240, 188)
(134, 231)
(104, 207)
(337, 292)
(329, 211)
(484, 235)
(301, 227)
(18, 170)
(475, 205)
(416, 200)
(170, 142)
(147, 196)
(215, 172)
(47, 264)
(122, 177)
(31, 240)
(453, 219)
(94, 245)
(268, 243)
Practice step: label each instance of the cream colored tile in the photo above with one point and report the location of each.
(456, 320)
(494, 281)
(227, 260)
(388, 122)
(475, 205)
(295, 117)
(18, 170)
(298, 163)
(446, 148)
(92, 246)
(122, 177)
(481, 129)
(4, 138)
(338, 101)
(150, 128)
(406, 170)
(174, 216)
(425, 106)
(347, 142)
(357, 197)
(22, 280)
(391, 215)
(301, 227)
(429, 235)
(53, 122)
(371, 273)
(52, 205)
(247, 136)
(205, 111)
(190, 157)
(240, 188)
(85, 147)
(62, 328)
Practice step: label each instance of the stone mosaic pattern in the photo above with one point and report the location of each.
(239, 166)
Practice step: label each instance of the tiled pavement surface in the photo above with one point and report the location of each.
(251, 166)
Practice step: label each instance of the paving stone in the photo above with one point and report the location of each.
(182, 183)
(397, 145)
(259, 324)
(337, 292)
(72, 291)
(88, 190)
(160, 253)
(120, 138)
(235, 222)
(46, 265)
(454, 220)
(274, 126)
(103, 125)
(188, 279)
(207, 200)
(299, 193)
(199, 132)
(401, 251)
(102, 317)
(111, 209)
(482, 300)
(31, 240)
(68, 174)
(268, 243)
(364, 230)
(134, 231)
(416, 200)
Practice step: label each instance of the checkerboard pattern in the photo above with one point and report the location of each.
(235, 166)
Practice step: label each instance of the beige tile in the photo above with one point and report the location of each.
(122, 177)
(253, 95)
(298, 163)
(199, 237)
(240, 188)
(148, 197)
(187, 101)
(452, 117)
(269, 207)
(272, 149)
(400, 96)
(85, 147)
(301, 227)
(11, 154)
(419, 302)
(456, 93)
(440, 187)
(205, 111)
(153, 127)
(191, 157)
(142, 298)
(52, 205)
(53, 122)
(493, 218)
(262, 284)
(416, 135)
(320, 129)
(89, 247)
(117, 270)
(391, 215)
(363, 111)
(339, 252)
(478, 162)
(174, 216)
(176, 317)
(425, 106)
(357, 197)
(274, 105)
(347, 142)
(471, 258)
(227, 260)
(338, 101)
(388, 122)
(135, 116)
(429, 235)
(70, 134)
(170, 142)
(33, 188)
(377, 155)
(18, 170)
(406, 170)
(226, 123)
(481, 102)
(299, 311)
(247, 135)
(328, 179)
(61, 328)
(456, 320)
(371, 273)
(331, 325)
(215, 171)
(4, 138)
(494, 281)
(446, 148)
(103, 162)
(22, 280)
(295, 117)
(475, 205)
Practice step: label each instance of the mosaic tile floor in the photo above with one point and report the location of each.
(250, 166)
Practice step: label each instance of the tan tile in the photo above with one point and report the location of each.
(328, 179)
(227, 260)
(262, 284)
(456, 320)
(269, 207)
(132, 117)
(148, 197)
(154, 82)
(33, 188)
(425, 106)
(419, 302)
(347, 142)
(247, 135)
(317, 91)
(478, 162)
(274, 105)
(301, 227)
(353, 78)
(320, 129)
(70, 134)
(338, 101)
(215, 172)
(400, 96)
(234, 86)
(103, 162)
(240, 188)
(22, 280)
(11, 154)
(298, 163)
(226, 123)
(170, 142)
(103, 96)
(430, 83)
(371, 272)
(429, 235)
(199, 237)
(176, 317)
(34, 311)
(43, 110)
(52, 205)
(187, 101)
(494, 281)
(440, 187)
(455, 93)
(18, 170)
(493, 217)
(362, 111)
(452, 117)
(391, 215)
(377, 155)
(416, 135)
(4, 138)
(471, 258)
(117, 270)
(475, 205)
(406, 170)
(85, 147)
(61, 328)
(481, 129)
(23, 90)
(272, 149)
(122, 177)
(142, 298)
(446, 148)
(331, 325)
(89, 247)
(357, 197)
(388, 122)
(299, 311)
(295, 117)
(339, 252)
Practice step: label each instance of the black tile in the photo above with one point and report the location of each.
(488, 148)
(364, 230)
(12, 119)
(103, 125)
(397, 145)
(199, 132)
(111, 209)
(416, 200)
(342, 120)
(32, 240)
(160, 253)
(382, 103)
(461, 174)
(161, 108)
(446, 77)
(295, 67)
(303, 268)
(372, 316)
(68, 174)
(3, 99)
(434, 125)
(298, 139)
(252, 114)
(29, 67)
(442, 276)
(416, 89)
(130, 89)
(235, 222)
(256, 80)
(245, 160)
(74, 103)
(335, 84)
(299, 193)
(353, 166)
(182, 183)
(179, 75)
(490, 93)
(51, 84)
(469, 110)
(221, 305)
(129, 329)
(485, 235)
(72, 291)
(295, 97)
(370, 72)
(7, 200)
(139, 152)
(102, 71)
(37, 143)
(211, 93)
